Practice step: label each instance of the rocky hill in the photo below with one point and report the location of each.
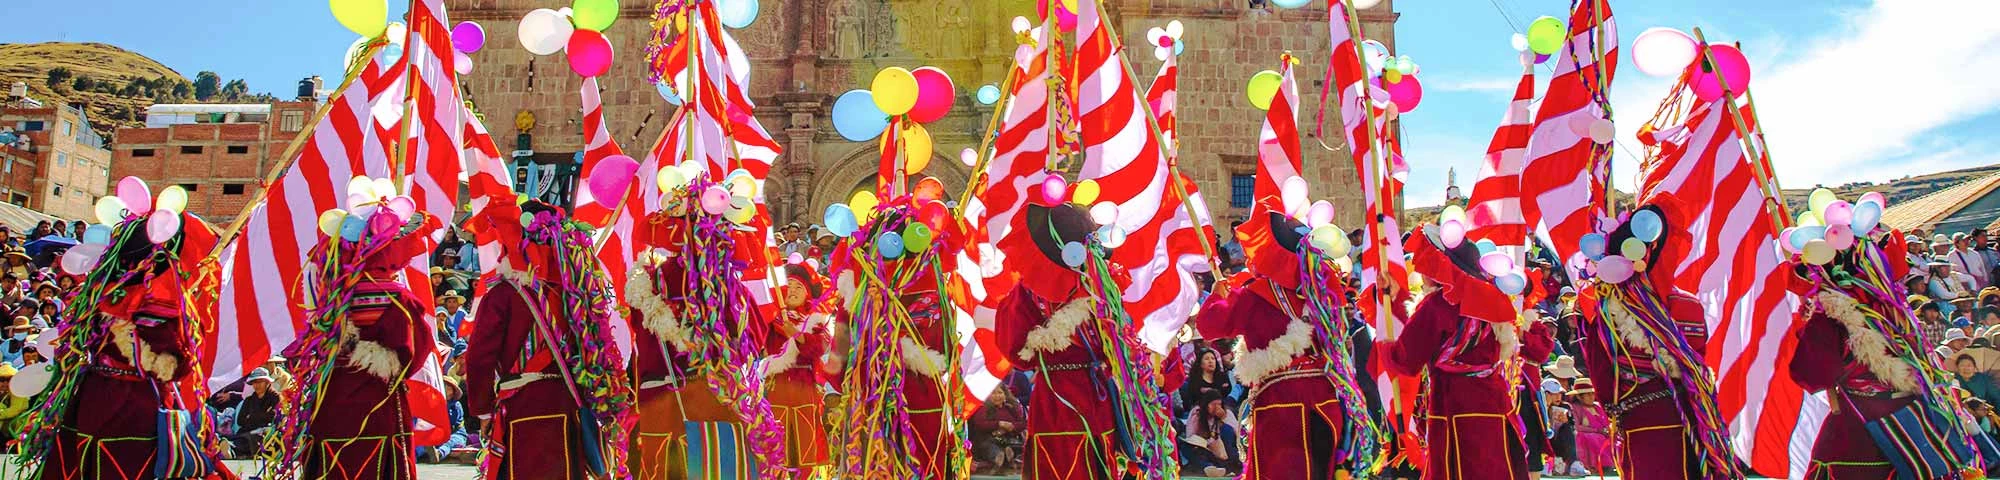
(109, 70)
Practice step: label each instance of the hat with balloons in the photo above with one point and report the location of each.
(1632, 245)
(131, 211)
(376, 220)
(1830, 226)
(685, 191)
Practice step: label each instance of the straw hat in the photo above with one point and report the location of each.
(1582, 386)
(1564, 367)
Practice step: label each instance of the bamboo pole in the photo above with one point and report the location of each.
(1774, 203)
(1375, 167)
(410, 79)
(976, 180)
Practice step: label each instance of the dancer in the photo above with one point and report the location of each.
(350, 416)
(126, 360)
(541, 365)
(1461, 335)
(800, 338)
(1643, 350)
(1094, 411)
(1307, 417)
(1862, 345)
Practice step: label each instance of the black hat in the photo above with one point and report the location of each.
(1053, 227)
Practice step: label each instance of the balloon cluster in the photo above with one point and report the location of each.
(1831, 225)
(1394, 74)
(684, 187)
(897, 99)
(1632, 254)
(1065, 13)
(1317, 216)
(915, 237)
(1666, 52)
(1507, 275)
(375, 209)
(578, 31)
(131, 201)
(1166, 41)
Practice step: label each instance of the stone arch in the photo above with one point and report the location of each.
(857, 168)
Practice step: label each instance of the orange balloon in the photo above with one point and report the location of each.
(928, 189)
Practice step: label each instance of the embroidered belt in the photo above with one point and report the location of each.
(524, 379)
(1068, 367)
(1883, 395)
(657, 382)
(1620, 407)
(119, 373)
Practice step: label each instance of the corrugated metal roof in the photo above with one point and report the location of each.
(20, 219)
(1927, 210)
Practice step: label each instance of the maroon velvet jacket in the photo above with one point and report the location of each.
(1822, 362)
(1070, 416)
(1652, 433)
(534, 423)
(1468, 419)
(1290, 397)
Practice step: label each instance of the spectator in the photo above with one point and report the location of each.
(1563, 368)
(1982, 410)
(1965, 260)
(446, 255)
(76, 228)
(1954, 341)
(1973, 380)
(16, 342)
(1940, 246)
(1982, 242)
(1208, 379)
(42, 229)
(7, 240)
(13, 409)
(254, 414)
(18, 264)
(1594, 445)
(996, 434)
(1208, 443)
(460, 435)
(1562, 444)
(1947, 287)
(792, 240)
(32, 355)
(451, 315)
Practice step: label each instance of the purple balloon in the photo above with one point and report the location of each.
(1539, 58)
(468, 37)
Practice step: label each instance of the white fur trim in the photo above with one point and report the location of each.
(520, 278)
(160, 365)
(930, 363)
(1059, 332)
(122, 341)
(375, 359)
(784, 360)
(660, 317)
(1252, 366)
(1509, 338)
(1627, 329)
(815, 322)
(1869, 347)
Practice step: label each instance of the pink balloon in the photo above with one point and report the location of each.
(1065, 19)
(934, 95)
(589, 53)
(1838, 213)
(1321, 213)
(714, 200)
(1452, 233)
(1407, 93)
(1733, 66)
(162, 225)
(1783, 242)
(1496, 264)
(402, 208)
(612, 177)
(468, 37)
(79, 261)
(1662, 51)
(138, 199)
(1055, 190)
(1614, 269)
(1877, 197)
(1840, 236)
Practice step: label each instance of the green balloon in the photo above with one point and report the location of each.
(1546, 35)
(917, 237)
(595, 15)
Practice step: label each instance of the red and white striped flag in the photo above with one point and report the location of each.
(1362, 108)
(994, 214)
(1563, 181)
(598, 145)
(1735, 270)
(433, 150)
(1495, 206)
(489, 182)
(1130, 167)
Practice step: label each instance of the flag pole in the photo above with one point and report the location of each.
(410, 79)
(976, 181)
(1774, 204)
(290, 155)
(1374, 167)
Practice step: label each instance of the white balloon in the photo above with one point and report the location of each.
(1174, 29)
(1021, 24)
(1293, 192)
(1365, 4)
(1663, 52)
(545, 31)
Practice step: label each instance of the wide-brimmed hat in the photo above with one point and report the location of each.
(1564, 367)
(1582, 386)
(1953, 334)
(450, 295)
(258, 374)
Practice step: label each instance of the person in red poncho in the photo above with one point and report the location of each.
(798, 340)
(1460, 336)
(1305, 409)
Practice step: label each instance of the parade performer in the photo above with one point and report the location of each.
(901, 385)
(541, 365)
(126, 360)
(1307, 417)
(696, 333)
(799, 340)
(1893, 414)
(1643, 349)
(1461, 337)
(1094, 411)
(350, 416)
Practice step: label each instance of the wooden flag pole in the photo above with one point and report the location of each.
(976, 181)
(1375, 166)
(1774, 205)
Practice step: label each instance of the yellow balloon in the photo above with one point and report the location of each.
(671, 179)
(863, 204)
(1085, 192)
(1634, 249)
(917, 149)
(329, 222)
(110, 210)
(172, 199)
(1452, 212)
(1820, 198)
(365, 17)
(895, 91)
(1263, 87)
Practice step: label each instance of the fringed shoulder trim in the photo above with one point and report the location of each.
(1254, 365)
(1870, 347)
(1059, 332)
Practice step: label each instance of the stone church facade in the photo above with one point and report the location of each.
(804, 53)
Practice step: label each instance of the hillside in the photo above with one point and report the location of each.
(109, 108)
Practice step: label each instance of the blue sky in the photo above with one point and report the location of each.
(1850, 89)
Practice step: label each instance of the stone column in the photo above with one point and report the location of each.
(797, 165)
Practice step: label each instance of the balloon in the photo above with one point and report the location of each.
(1496, 264)
(98, 234)
(1542, 58)
(1866, 216)
(79, 261)
(917, 148)
(1452, 233)
(1084, 192)
(351, 227)
(968, 157)
(468, 37)
(594, 15)
(740, 211)
(1838, 214)
(714, 200)
(1840, 236)
(1601, 130)
(895, 91)
(736, 14)
(1390, 76)
(1055, 190)
(1292, 191)
(1073, 254)
(611, 178)
(136, 196)
(1663, 52)
(33, 379)
(1110, 236)
(1364, 4)
(856, 116)
(330, 221)
(839, 220)
(1546, 35)
(1730, 64)
(172, 198)
(1817, 251)
(1290, 3)
(1785, 239)
(365, 17)
(1646, 225)
(863, 203)
(1874, 197)
(917, 237)
(1520, 42)
(669, 179)
(1485, 246)
(1633, 248)
(1614, 269)
(889, 244)
(1820, 198)
(928, 189)
(1407, 93)
(1263, 87)
(162, 225)
(934, 94)
(544, 31)
(589, 53)
(1593, 245)
(1104, 213)
(1320, 214)
(461, 63)
(988, 94)
(110, 210)
(1065, 17)
(384, 188)
(1452, 213)
(402, 208)
(667, 92)
(1321, 238)
(1511, 284)
(1810, 218)
(1802, 235)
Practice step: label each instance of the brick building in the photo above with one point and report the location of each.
(219, 153)
(806, 52)
(65, 161)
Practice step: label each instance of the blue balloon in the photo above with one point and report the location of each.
(1866, 216)
(1290, 3)
(97, 235)
(667, 92)
(1073, 254)
(840, 220)
(391, 53)
(737, 13)
(857, 118)
(351, 228)
(1592, 245)
(988, 94)
(889, 244)
(1511, 284)
(1801, 235)
(1485, 247)
(1646, 225)
(1179, 47)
